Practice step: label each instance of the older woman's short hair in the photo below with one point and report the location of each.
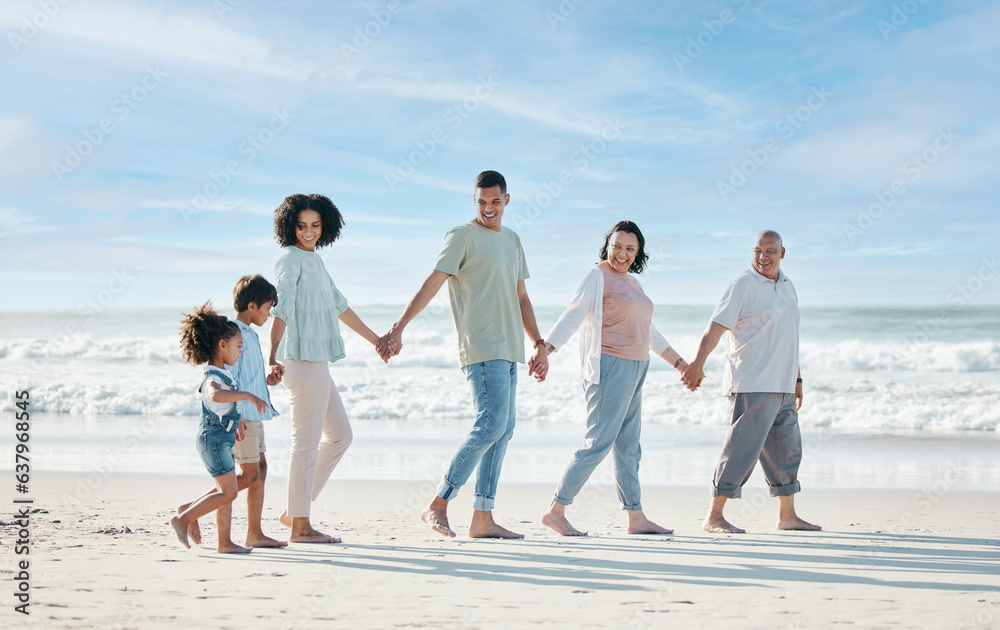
(639, 264)
(286, 217)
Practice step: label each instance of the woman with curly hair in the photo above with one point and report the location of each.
(305, 336)
(617, 333)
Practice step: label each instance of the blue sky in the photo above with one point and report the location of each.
(145, 145)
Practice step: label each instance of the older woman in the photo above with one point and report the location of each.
(306, 336)
(615, 318)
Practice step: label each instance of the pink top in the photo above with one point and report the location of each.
(627, 315)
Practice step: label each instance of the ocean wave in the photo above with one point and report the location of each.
(86, 348)
(428, 348)
(858, 356)
(377, 393)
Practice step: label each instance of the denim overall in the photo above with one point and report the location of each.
(217, 435)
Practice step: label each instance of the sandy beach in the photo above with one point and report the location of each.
(106, 558)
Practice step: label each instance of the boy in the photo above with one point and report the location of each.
(253, 297)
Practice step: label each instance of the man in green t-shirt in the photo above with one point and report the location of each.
(485, 268)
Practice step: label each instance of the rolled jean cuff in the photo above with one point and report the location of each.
(784, 491)
(561, 501)
(482, 504)
(446, 491)
(727, 490)
(632, 508)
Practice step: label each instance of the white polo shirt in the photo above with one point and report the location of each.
(762, 346)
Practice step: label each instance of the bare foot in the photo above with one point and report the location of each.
(493, 531)
(797, 524)
(438, 520)
(560, 525)
(483, 526)
(719, 525)
(264, 541)
(181, 531)
(194, 530)
(285, 519)
(639, 524)
(232, 547)
(313, 536)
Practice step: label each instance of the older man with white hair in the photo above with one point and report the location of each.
(763, 383)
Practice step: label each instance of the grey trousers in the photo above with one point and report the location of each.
(764, 427)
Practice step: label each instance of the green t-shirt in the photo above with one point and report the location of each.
(485, 267)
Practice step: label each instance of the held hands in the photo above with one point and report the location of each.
(538, 364)
(275, 375)
(390, 343)
(692, 377)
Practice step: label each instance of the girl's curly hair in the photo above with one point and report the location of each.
(286, 216)
(201, 332)
(639, 264)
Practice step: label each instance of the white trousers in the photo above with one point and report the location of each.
(321, 432)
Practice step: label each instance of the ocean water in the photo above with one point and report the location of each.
(110, 389)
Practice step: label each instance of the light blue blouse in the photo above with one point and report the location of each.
(309, 304)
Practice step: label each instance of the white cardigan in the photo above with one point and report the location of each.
(586, 309)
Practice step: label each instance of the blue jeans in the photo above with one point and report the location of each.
(614, 414)
(494, 384)
(215, 446)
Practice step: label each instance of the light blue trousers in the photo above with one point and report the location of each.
(614, 415)
(494, 384)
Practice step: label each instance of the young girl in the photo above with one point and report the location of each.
(305, 335)
(207, 337)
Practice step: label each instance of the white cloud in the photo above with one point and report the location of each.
(375, 219)
(23, 151)
(197, 38)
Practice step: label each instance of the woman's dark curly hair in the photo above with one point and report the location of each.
(639, 264)
(287, 216)
(201, 332)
